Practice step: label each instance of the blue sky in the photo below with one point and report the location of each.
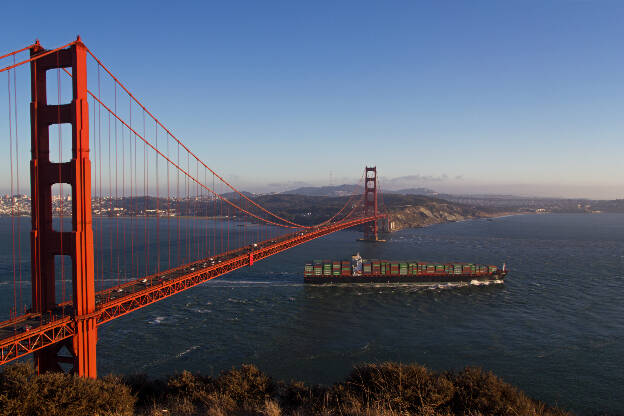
(522, 97)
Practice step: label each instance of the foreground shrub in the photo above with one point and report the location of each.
(386, 389)
(22, 392)
(247, 386)
(480, 392)
(403, 388)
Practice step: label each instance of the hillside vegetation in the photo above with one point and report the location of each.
(387, 389)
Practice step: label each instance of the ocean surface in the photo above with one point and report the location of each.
(554, 328)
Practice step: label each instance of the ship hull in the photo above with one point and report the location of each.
(446, 278)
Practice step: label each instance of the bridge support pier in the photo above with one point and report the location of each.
(46, 243)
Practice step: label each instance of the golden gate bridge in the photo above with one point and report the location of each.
(122, 213)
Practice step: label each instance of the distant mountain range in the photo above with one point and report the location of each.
(347, 190)
(303, 197)
(414, 191)
(338, 190)
(233, 195)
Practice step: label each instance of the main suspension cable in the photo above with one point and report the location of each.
(34, 58)
(147, 143)
(188, 150)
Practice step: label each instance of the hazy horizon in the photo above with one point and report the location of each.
(443, 185)
(458, 186)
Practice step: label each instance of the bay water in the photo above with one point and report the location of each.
(554, 328)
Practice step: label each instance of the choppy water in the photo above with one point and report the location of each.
(555, 328)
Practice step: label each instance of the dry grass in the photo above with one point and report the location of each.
(387, 389)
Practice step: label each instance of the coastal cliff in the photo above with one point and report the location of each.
(412, 212)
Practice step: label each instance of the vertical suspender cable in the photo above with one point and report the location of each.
(60, 160)
(36, 173)
(101, 219)
(178, 209)
(196, 213)
(188, 209)
(124, 203)
(168, 209)
(116, 188)
(215, 219)
(206, 229)
(145, 199)
(132, 196)
(17, 177)
(157, 205)
(96, 188)
(13, 200)
(220, 218)
(110, 206)
(136, 195)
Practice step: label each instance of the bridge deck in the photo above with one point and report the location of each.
(30, 332)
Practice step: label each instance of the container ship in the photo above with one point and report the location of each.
(359, 270)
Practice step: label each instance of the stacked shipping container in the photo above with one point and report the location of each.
(395, 268)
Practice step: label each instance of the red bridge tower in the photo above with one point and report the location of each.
(371, 229)
(46, 243)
